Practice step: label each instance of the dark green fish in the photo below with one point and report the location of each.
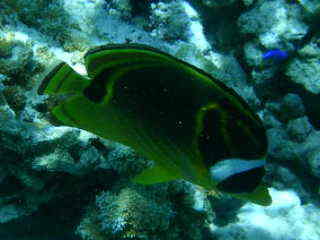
(192, 126)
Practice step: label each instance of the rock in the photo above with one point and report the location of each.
(299, 129)
(311, 8)
(217, 3)
(169, 21)
(286, 213)
(272, 22)
(313, 159)
(289, 107)
(306, 73)
(253, 54)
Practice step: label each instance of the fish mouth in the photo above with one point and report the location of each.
(236, 175)
(228, 167)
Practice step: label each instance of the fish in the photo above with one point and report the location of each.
(188, 123)
(275, 55)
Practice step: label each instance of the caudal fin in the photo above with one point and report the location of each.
(62, 79)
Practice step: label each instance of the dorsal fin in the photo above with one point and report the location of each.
(109, 56)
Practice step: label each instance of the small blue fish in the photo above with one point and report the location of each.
(275, 55)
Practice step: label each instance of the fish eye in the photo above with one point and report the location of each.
(243, 182)
(94, 93)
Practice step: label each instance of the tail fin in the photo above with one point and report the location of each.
(61, 80)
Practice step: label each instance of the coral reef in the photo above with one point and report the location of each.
(45, 11)
(305, 71)
(152, 213)
(64, 183)
(255, 222)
